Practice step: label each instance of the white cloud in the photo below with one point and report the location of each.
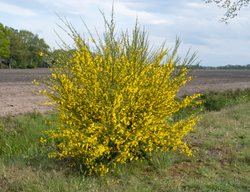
(80, 7)
(76, 7)
(144, 16)
(15, 10)
(196, 5)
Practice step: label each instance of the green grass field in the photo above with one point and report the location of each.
(221, 162)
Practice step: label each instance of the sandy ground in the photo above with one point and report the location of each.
(19, 98)
(18, 95)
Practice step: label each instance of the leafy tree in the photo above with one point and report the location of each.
(18, 50)
(232, 7)
(37, 47)
(4, 43)
(25, 48)
(34, 47)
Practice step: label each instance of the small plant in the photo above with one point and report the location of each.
(215, 101)
(116, 99)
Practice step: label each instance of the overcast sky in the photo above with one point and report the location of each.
(194, 22)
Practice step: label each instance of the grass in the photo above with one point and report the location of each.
(221, 161)
(215, 101)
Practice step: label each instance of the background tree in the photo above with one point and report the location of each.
(232, 7)
(4, 43)
(18, 50)
(34, 46)
(25, 48)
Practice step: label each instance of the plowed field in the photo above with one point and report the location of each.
(18, 95)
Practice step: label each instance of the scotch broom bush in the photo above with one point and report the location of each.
(116, 98)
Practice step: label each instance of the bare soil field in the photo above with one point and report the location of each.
(18, 95)
(217, 80)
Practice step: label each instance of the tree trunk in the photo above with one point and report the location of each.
(10, 63)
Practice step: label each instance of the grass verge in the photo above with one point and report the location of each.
(221, 161)
(215, 101)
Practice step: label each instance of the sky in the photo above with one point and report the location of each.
(196, 23)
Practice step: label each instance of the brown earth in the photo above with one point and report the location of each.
(18, 95)
(217, 80)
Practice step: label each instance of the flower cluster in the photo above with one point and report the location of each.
(116, 103)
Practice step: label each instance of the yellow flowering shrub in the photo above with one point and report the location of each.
(116, 99)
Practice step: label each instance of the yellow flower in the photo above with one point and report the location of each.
(41, 54)
(35, 82)
(43, 140)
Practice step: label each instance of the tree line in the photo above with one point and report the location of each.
(240, 67)
(21, 48)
